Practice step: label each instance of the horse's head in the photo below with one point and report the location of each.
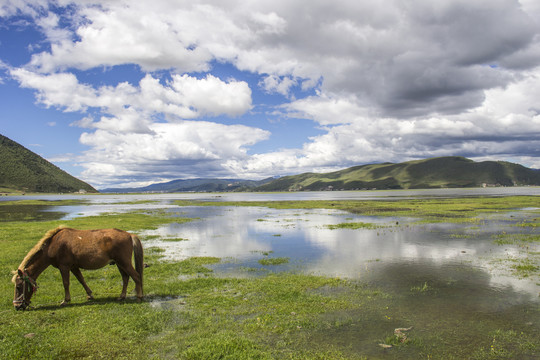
(25, 287)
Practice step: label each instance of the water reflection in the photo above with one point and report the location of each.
(248, 234)
(455, 301)
(30, 213)
(75, 211)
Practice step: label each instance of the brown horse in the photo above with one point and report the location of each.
(71, 250)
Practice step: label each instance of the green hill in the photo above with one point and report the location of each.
(23, 170)
(443, 172)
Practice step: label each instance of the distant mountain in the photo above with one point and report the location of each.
(23, 170)
(443, 172)
(195, 185)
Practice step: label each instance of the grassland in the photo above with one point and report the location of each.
(21, 170)
(191, 313)
(442, 172)
(427, 210)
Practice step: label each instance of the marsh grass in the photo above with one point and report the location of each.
(421, 289)
(464, 209)
(173, 239)
(505, 344)
(190, 313)
(505, 238)
(43, 202)
(274, 261)
(525, 267)
(526, 262)
(355, 226)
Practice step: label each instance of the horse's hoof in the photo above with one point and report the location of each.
(139, 300)
(89, 297)
(121, 298)
(64, 303)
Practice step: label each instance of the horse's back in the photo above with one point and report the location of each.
(90, 249)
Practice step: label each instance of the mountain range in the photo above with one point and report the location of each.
(441, 172)
(195, 185)
(23, 170)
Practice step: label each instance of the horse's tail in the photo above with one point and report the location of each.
(138, 253)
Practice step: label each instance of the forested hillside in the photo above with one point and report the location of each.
(23, 170)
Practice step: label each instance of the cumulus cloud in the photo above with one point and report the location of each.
(403, 58)
(495, 129)
(190, 148)
(13, 7)
(398, 54)
(183, 96)
(386, 82)
(128, 141)
(275, 84)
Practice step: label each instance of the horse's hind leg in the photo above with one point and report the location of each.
(128, 269)
(79, 276)
(125, 280)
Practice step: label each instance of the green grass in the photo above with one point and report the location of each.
(190, 312)
(507, 344)
(25, 171)
(526, 264)
(505, 238)
(274, 261)
(44, 202)
(442, 172)
(421, 289)
(525, 267)
(354, 226)
(430, 209)
(167, 239)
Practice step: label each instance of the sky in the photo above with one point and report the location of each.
(127, 93)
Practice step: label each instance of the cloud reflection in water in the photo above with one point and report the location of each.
(245, 233)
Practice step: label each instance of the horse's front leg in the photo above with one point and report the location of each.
(65, 280)
(79, 276)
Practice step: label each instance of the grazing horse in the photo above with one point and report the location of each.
(71, 250)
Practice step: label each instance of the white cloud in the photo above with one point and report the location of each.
(211, 96)
(184, 96)
(417, 56)
(61, 90)
(128, 144)
(12, 7)
(275, 84)
(86, 122)
(271, 22)
(329, 109)
(506, 126)
(390, 82)
(52, 28)
(118, 33)
(185, 149)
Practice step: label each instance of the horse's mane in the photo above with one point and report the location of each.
(44, 240)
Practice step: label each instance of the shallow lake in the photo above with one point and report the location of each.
(304, 240)
(295, 196)
(244, 237)
(452, 280)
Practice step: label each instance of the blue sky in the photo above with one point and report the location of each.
(123, 93)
